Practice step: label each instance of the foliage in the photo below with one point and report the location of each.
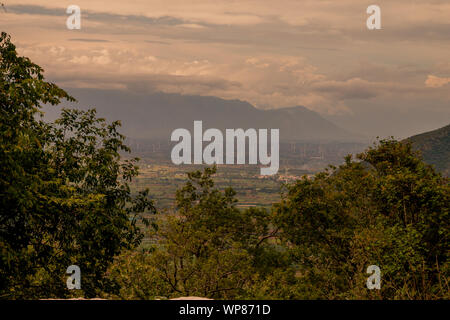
(210, 248)
(387, 209)
(64, 190)
(136, 277)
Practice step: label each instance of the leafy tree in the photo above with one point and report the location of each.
(388, 209)
(208, 248)
(137, 277)
(64, 190)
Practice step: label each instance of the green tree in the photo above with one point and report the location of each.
(64, 190)
(388, 209)
(209, 248)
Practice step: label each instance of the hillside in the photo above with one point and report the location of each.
(156, 115)
(435, 147)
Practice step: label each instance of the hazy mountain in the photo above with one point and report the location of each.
(156, 115)
(435, 147)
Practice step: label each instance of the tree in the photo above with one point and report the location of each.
(64, 190)
(209, 248)
(388, 209)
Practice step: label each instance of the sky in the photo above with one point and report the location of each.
(273, 54)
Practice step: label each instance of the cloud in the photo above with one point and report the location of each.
(157, 42)
(88, 40)
(36, 10)
(267, 81)
(436, 82)
(271, 53)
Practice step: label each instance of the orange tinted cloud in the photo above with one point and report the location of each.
(436, 82)
(271, 53)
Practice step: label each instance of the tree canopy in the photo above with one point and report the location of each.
(64, 191)
(387, 208)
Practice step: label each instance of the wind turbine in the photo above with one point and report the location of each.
(3, 6)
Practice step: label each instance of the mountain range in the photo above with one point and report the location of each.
(156, 115)
(435, 148)
(153, 116)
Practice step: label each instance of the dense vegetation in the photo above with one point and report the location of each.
(386, 208)
(435, 148)
(65, 199)
(64, 193)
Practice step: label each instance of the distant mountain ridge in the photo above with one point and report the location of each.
(156, 115)
(435, 148)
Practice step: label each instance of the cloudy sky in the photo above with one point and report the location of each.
(271, 53)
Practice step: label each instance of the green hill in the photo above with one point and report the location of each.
(435, 148)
